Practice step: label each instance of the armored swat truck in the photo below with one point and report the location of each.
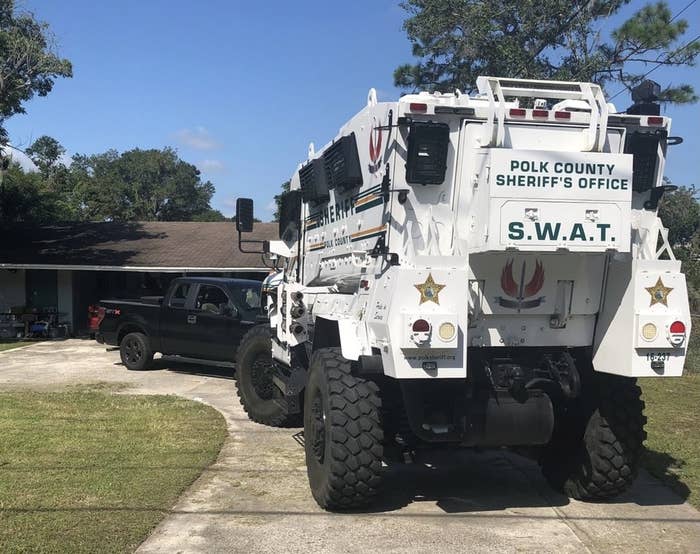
(472, 271)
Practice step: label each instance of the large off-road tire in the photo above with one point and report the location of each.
(135, 351)
(596, 448)
(342, 433)
(260, 398)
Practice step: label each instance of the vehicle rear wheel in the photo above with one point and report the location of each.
(135, 351)
(596, 448)
(260, 398)
(342, 433)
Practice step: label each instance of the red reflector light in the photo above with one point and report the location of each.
(421, 326)
(655, 120)
(517, 112)
(418, 107)
(678, 328)
(562, 115)
(540, 113)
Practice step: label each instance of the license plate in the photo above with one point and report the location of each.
(658, 356)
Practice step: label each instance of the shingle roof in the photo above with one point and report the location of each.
(137, 244)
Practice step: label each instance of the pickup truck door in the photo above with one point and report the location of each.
(214, 331)
(176, 320)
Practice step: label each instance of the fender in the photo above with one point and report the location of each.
(348, 334)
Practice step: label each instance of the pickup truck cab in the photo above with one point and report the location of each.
(199, 317)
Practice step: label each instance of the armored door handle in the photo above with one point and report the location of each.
(191, 319)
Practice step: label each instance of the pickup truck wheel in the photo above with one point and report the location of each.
(260, 398)
(135, 351)
(595, 451)
(343, 436)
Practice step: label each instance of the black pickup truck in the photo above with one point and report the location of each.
(199, 317)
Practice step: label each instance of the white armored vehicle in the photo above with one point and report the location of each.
(472, 271)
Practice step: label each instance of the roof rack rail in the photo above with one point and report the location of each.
(497, 90)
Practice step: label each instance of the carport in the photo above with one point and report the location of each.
(55, 272)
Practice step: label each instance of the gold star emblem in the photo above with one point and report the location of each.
(430, 290)
(659, 293)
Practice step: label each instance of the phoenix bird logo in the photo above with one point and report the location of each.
(521, 293)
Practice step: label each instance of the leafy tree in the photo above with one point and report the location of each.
(458, 40)
(23, 198)
(46, 154)
(278, 200)
(680, 213)
(210, 215)
(28, 64)
(141, 185)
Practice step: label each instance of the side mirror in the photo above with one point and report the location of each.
(244, 215)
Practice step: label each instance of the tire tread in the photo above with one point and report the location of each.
(356, 435)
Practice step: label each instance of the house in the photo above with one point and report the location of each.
(59, 270)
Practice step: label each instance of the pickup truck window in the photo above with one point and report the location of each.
(179, 296)
(249, 297)
(211, 299)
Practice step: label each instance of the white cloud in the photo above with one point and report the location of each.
(228, 207)
(21, 158)
(198, 138)
(271, 206)
(27, 164)
(212, 166)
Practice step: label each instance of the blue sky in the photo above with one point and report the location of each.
(241, 88)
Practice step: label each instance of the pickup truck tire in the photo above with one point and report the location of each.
(595, 454)
(135, 351)
(343, 437)
(260, 398)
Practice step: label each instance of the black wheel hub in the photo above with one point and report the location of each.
(318, 428)
(261, 376)
(133, 351)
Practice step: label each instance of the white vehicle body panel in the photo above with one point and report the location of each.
(535, 238)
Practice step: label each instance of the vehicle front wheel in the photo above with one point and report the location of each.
(135, 351)
(260, 398)
(343, 436)
(596, 448)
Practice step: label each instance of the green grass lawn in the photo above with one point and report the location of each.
(9, 345)
(673, 410)
(91, 471)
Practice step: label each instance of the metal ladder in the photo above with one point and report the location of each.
(496, 90)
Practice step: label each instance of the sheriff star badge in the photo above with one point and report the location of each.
(430, 290)
(659, 293)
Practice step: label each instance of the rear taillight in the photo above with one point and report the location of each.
(676, 333)
(540, 113)
(517, 112)
(419, 107)
(562, 115)
(655, 120)
(421, 326)
(677, 327)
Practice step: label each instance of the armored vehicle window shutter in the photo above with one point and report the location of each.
(342, 164)
(643, 146)
(427, 153)
(314, 186)
(290, 212)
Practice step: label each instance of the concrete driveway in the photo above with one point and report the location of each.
(255, 498)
